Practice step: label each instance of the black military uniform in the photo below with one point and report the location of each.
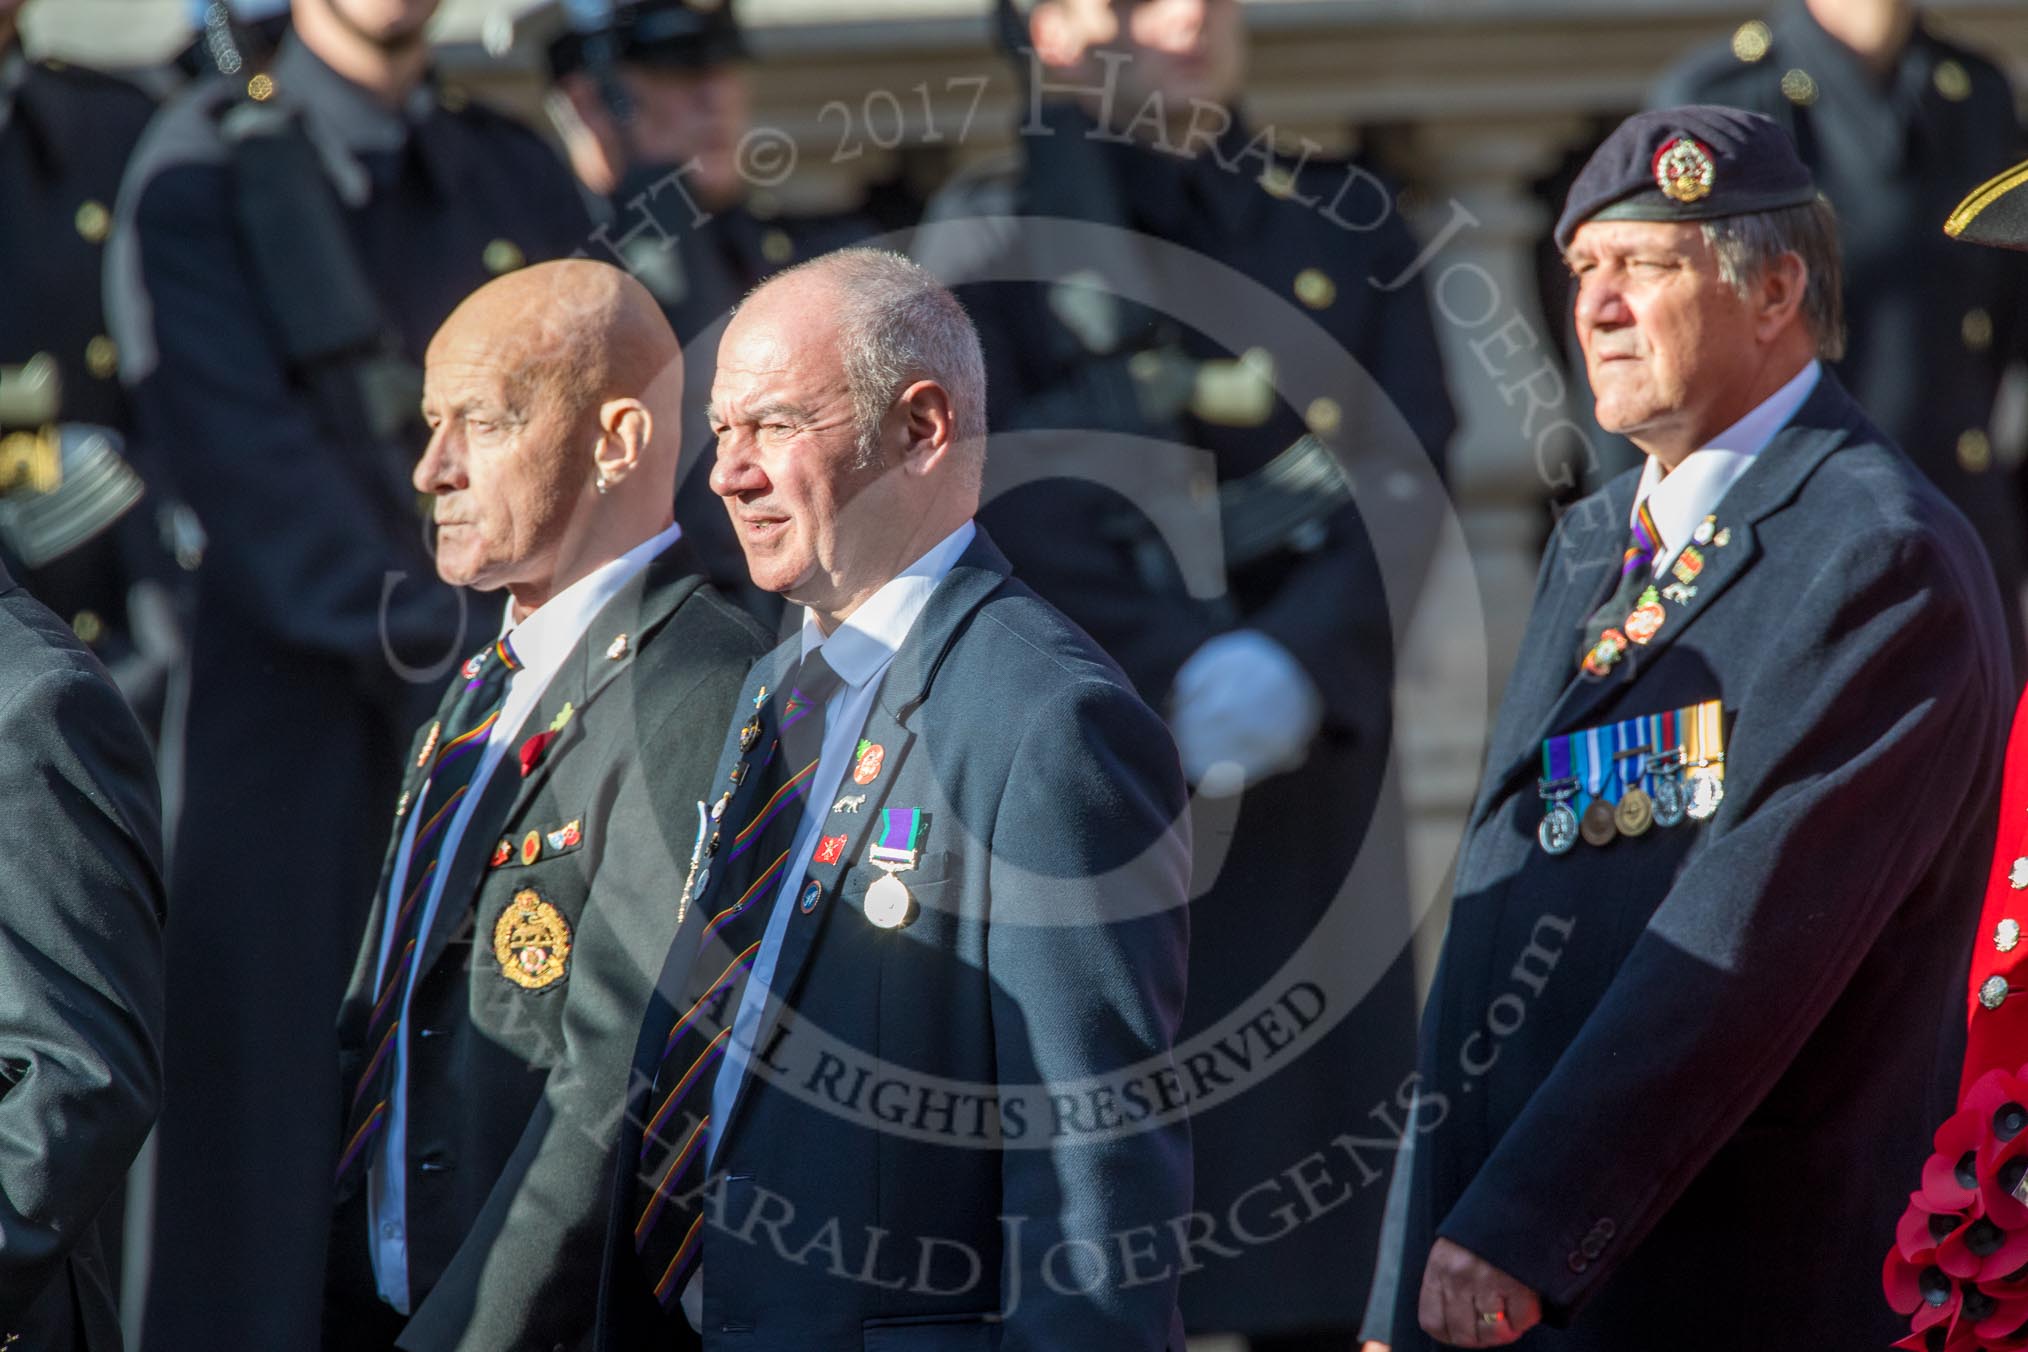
(1932, 328)
(1677, 1061)
(286, 246)
(697, 264)
(65, 135)
(1147, 547)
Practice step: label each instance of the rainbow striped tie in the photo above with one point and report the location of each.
(1636, 576)
(474, 710)
(668, 1227)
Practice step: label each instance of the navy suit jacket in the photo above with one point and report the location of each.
(937, 1148)
(1672, 1081)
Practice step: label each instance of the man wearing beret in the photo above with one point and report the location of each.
(1711, 909)
(1897, 121)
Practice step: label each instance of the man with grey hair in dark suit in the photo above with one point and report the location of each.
(902, 1081)
(1698, 996)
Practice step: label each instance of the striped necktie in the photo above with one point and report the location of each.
(668, 1227)
(474, 710)
(1636, 576)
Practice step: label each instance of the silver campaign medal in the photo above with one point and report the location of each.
(1559, 829)
(894, 848)
(889, 904)
(1671, 803)
(1707, 791)
(1558, 832)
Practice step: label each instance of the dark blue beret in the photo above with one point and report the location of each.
(1688, 164)
(1995, 213)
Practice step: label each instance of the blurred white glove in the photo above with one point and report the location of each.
(1243, 709)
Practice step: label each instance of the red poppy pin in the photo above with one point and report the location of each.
(533, 750)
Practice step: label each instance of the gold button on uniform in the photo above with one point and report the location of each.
(260, 88)
(1799, 88)
(1751, 40)
(2007, 935)
(1315, 288)
(1323, 416)
(503, 256)
(1977, 330)
(1277, 181)
(1953, 81)
(87, 625)
(1993, 992)
(102, 357)
(777, 247)
(1975, 452)
(94, 222)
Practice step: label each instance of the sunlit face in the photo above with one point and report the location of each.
(504, 495)
(681, 116)
(811, 519)
(1183, 50)
(1663, 333)
(388, 22)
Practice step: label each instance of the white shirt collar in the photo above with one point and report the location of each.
(860, 649)
(1684, 496)
(552, 629)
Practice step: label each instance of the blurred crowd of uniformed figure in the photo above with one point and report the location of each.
(216, 282)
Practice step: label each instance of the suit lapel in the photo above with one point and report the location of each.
(1590, 543)
(978, 573)
(1824, 423)
(420, 747)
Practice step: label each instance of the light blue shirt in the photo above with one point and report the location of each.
(541, 642)
(859, 650)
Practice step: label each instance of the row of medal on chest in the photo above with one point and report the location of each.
(1675, 798)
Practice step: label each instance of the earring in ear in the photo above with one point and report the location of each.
(602, 483)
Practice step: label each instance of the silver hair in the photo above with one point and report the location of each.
(1747, 246)
(898, 324)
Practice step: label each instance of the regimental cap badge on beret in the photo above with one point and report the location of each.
(1695, 163)
(1684, 171)
(1996, 213)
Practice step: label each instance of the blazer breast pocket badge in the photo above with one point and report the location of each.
(531, 941)
(1616, 781)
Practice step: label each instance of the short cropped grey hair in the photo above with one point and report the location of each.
(898, 324)
(1747, 246)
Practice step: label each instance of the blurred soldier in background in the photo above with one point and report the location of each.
(287, 242)
(651, 102)
(1896, 124)
(1276, 670)
(73, 527)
